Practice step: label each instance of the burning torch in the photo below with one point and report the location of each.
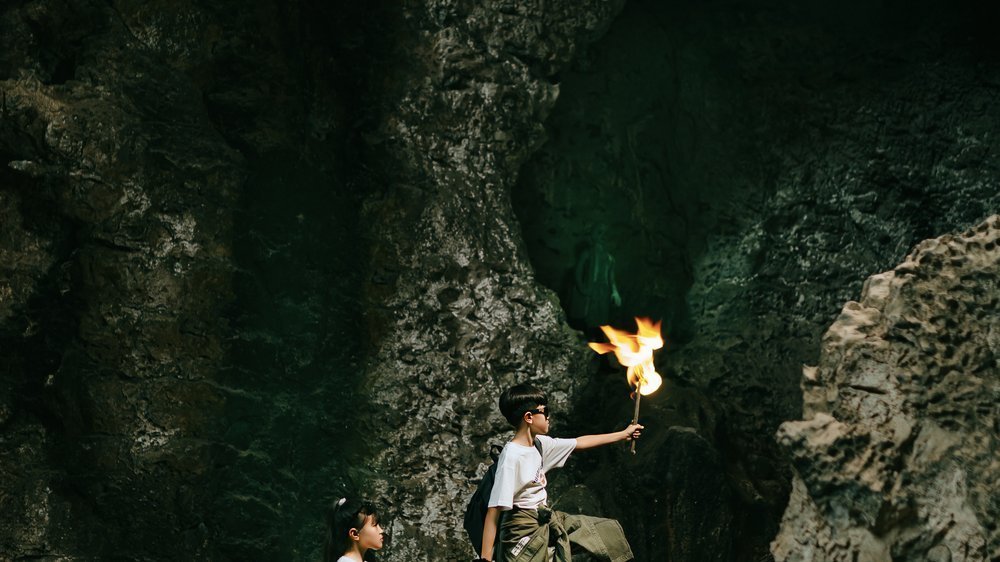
(635, 352)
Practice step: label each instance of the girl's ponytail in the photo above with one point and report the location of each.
(342, 516)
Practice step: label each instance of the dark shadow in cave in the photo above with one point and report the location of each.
(297, 349)
(39, 342)
(49, 321)
(293, 427)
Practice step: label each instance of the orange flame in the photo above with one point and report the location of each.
(635, 351)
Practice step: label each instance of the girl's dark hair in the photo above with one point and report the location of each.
(342, 516)
(517, 400)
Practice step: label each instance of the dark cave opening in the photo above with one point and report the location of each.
(670, 131)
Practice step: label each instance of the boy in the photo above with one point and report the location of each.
(517, 506)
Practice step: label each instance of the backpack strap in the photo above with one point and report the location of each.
(538, 445)
(495, 452)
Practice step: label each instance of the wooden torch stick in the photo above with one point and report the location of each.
(635, 415)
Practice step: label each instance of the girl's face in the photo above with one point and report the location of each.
(369, 536)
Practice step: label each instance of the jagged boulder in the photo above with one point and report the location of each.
(896, 455)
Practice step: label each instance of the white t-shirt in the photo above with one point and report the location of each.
(520, 480)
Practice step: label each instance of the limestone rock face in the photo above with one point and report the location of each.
(455, 309)
(896, 455)
(115, 263)
(138, 419)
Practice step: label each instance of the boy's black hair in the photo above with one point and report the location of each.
(518, 399)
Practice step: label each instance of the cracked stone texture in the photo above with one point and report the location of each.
(115, 227)
(895, 457)
(170, 298)
(458, 313)
(201, 350)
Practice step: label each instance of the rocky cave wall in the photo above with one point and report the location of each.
(204, 343)
(181, 286)
(259, 255)
(458, 313)
(118, 199)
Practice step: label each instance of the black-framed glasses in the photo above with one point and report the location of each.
(547, 412)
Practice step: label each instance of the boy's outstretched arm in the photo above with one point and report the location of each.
(490, 532)
(590, 441)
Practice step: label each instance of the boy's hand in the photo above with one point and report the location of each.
(633, 431)
(590, 441)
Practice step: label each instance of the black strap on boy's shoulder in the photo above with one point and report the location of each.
(495, 452)
(538, 445)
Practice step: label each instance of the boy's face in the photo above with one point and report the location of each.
(538, 419)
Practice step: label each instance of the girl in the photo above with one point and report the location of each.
(352, 529)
